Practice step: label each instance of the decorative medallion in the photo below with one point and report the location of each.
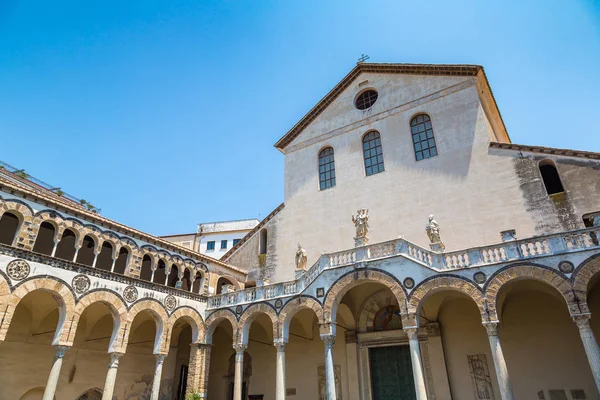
(18, 270)
(320, 292)
(130, 294)
(409, 283)
(566, 267)
(278, 303)
(238, 310)
(80, 283)
(170, 302)
(479, 277)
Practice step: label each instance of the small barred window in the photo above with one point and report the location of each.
(373, 153)
(366, 99)
(423, 139)
(326, 169)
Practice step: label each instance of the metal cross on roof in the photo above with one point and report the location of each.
(363, 58)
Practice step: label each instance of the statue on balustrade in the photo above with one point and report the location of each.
(433, 231)
(301, 258)
(361, 222)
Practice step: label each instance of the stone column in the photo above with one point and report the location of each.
(589, 344)
(95, 259)
(329, 340)
(160, 358)
(112, 267)
(198, 369)
(239, 369)
(59, 354)
(499, 363)
(76, 253)
(111, 376)
(56, 242)
(417, 364)
(205, 370)
(280, 370)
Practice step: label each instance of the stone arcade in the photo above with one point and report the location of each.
(497, 298)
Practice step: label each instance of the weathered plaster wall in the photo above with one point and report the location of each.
(473, 195)
(246, 256)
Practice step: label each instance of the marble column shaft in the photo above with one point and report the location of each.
(506, 392)
(239, 369)
(280, 370)
(160, 359)
(111, 376)
(329, 341)
(417, 363)
(50, 390)
(590, 345)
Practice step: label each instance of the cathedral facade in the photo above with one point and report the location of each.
(418, 254)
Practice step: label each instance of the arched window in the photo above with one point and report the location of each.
(66, 246)
(44, 243)
(221, 282)
(146, 272)
(121, 262)
(86, 252)
(326, 169)
(173, 276)
(423, 139)
(9, 225)
(550, 177)
(105, 258)
(160, 275)
(373, 153)
(198, 283)
(263, 241)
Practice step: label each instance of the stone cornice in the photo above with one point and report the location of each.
(545, 150)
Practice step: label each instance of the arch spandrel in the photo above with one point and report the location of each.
(250, 314)
(528, 271)
(582, 278)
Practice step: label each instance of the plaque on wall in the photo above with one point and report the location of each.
(338, 382)
(480, 376)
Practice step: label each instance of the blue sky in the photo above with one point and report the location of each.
(163, 114)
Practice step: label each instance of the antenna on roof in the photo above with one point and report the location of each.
(363, 58)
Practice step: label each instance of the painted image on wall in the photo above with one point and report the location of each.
(480, 376)
(322, 386)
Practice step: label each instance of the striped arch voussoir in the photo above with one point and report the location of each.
(215, 319)
(582, 278)
(191, 317)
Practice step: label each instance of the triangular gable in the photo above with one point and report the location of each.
(484, 91)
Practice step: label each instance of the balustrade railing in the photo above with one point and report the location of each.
(521, 249)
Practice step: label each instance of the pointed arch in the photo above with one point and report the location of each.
(528, 271)
(446, 282)
(294, 306)
(160, 316)
(65, 300)
(250, 314)
(117, 308)
(215, 319)
(353, 279)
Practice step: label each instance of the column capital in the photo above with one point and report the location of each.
(240, 348)
(328, 339)
(114, 359)
(582, 320)
(491, 327)
(280, 344)
(412, 332)
(59, 351)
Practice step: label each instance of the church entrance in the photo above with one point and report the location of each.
(391, 373)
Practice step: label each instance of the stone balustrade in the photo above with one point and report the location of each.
(522, 249)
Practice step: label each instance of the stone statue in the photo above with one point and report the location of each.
(301, 258)
(361, 222)
(433, 230)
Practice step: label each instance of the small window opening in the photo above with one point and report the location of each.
(263, 241)
(551, 178)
